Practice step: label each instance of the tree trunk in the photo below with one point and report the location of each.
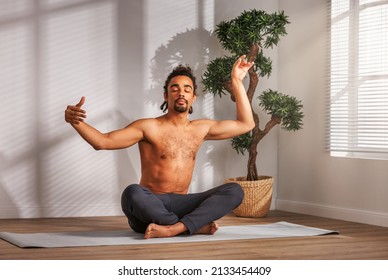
(253, 82)
(257, 134)
(252, 168)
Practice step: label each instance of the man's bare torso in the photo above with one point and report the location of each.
(168, 154)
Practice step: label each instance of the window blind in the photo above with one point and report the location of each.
(358, 88)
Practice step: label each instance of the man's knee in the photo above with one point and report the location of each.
(139, 202)
(134, 204)
(129, 194)
(132, 190)
(235, 191)
(128, 202)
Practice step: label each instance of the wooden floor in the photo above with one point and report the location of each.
(355, 241)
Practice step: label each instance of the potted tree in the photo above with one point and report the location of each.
(251, 33)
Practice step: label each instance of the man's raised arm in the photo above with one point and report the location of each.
(122, 138)
(244, 119)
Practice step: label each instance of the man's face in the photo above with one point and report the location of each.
(180, 94)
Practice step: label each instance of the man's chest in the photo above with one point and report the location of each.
(179, 145)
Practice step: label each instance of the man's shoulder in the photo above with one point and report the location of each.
(202, 122)
(146, 121)
(144, 124)
(160, 120)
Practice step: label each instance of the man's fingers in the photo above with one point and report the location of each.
(74, 109)
(78, 116)
(81, 102)
(241, 59)
(241, 62)
(74, 115)
(248, 63)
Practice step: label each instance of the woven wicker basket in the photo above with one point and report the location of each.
(257, 196)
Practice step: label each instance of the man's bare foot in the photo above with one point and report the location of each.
(155, 230)
(210, 229)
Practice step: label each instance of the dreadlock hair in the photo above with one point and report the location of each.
(180, 70)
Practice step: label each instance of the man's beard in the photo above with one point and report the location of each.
(180, 108)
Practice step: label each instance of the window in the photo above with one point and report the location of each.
(358, 110)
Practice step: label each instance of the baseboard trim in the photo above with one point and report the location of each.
(60, 211)
(347, 214)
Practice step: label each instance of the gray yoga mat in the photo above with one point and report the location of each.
(128, 237)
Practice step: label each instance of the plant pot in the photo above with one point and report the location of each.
(257, 196)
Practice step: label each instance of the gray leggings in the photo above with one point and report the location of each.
(143, 207)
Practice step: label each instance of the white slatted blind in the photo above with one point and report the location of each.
(358, 109)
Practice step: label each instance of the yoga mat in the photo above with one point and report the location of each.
(128, 237)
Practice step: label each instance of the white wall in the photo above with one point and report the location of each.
(310, 180)
(117, 53)
(52, 53)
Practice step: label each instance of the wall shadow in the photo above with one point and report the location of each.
(46, 63)
(130, 65)
(193, 47)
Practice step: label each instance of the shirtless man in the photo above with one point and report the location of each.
(159, 205)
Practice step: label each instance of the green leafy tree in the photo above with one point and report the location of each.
(251, 33)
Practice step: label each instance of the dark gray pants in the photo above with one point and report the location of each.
(143, 207)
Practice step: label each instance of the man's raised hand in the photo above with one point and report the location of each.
(74, 114)
(241, 67)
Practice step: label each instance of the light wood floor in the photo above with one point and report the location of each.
(355, 241)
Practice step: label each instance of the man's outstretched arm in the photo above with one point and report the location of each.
(122, 138)
(244, 119)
